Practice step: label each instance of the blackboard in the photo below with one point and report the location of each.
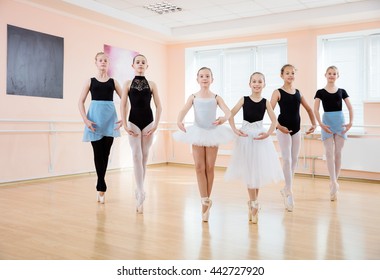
(34, 63)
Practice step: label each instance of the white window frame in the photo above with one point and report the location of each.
(367, 80)
(219, 84)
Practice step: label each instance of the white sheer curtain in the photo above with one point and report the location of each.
(232, 67)
(348, 55)
(358, 59)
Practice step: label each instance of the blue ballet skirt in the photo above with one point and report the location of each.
(335, 120)
(103, 114)
(254, 162)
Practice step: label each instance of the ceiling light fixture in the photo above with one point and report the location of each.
(163, 7)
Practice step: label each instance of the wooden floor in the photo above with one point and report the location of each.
(60, 219)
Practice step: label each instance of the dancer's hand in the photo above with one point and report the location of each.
(347, 127)
(261, 136)
(240, 133)
(284, 129)
(219, 121)
(90, 125)
(150, 131)
(311, 129)
(130, 131)
(181, 126)
(326, 128)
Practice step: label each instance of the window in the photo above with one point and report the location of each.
(232, 65)
(357, 57)
(374, 68)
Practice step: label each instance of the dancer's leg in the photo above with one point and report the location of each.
(339, 144)
(211, 154)
(253, 194)
(296, 147)
(146, 143)
(199, 155)
(285, 144)
(137, 157)
(329, 151)
(102, 150)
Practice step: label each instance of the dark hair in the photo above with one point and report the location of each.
(137, 55)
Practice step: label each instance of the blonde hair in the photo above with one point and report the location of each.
(205, 68)
(287, 65)
(99, 54)
(259, 73)
(332, 67)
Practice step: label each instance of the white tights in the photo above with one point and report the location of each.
(333, 149)
(290, 148)
(140, 146)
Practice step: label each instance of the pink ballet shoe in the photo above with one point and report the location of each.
(253, 211)
(288, 200)
(334, 192)
(140, 197)
(100, 198)
(208, 203)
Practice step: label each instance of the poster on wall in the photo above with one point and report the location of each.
(34, 63)
(120, 63)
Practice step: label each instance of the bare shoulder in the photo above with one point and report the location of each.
(87, 82)
(191, 97)
(276, 95)
(276, 92)
(219, 98)
(240, 101)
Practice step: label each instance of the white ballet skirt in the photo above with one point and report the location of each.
(203, 132)
(255, 162)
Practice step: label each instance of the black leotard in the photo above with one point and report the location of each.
(290, 110)
(102, 90)
(253, 111)
(140, 96)
(331, 102)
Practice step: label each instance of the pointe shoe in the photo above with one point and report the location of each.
(253, 207)
(288, 200)
(206, 202)
(100, 198)
(334, 192)
(140, 197)
(140, 209)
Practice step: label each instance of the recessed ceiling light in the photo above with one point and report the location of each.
(163, 7)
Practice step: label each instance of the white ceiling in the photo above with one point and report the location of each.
(206, 19)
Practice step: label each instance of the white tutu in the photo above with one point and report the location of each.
(204, 132)
(255, 162)
(198, 136)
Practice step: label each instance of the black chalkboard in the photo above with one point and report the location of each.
(34, 63)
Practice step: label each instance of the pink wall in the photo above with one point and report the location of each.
(36, 155)
(30, 155)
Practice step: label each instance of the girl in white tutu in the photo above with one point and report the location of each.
(205, 135)
(254, 159)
